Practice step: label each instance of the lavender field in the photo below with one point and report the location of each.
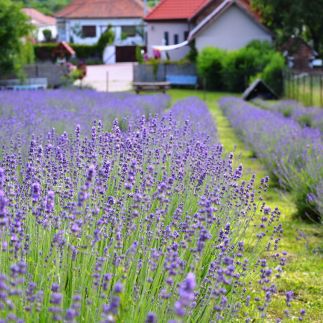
(131, 211)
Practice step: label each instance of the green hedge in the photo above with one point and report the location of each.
(234, 70)
(210, 67)
(86, 51)
(43, 51)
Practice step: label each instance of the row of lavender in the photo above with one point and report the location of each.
(293, 154)
(142, 225)
(21, 112)
(311, 117)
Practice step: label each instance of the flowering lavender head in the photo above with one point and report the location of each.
(151, 318)
(3, 203)
(118, 288)
(35, 191)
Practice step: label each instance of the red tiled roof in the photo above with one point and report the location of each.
(245, 4)
(187, 9)
(103, 9)
(39, 18)
(176, 9)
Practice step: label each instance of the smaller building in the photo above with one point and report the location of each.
(41, 23)
(298, 53)
(84, 21)
(62, 53)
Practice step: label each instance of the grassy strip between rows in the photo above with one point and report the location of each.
(302, 241)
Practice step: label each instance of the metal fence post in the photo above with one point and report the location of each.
(311, 87)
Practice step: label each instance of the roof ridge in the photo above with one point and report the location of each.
(101, 9)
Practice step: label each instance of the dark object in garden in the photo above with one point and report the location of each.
(259, 89)
(151, 86)
(182, 80)
(63, 52)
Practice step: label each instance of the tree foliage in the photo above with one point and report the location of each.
(288, 17)
(14, 31)
(105, 39)
(233, 71)
(46, 6)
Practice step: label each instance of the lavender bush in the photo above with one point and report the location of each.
(292, 153)
(306, 116)
(153, 224)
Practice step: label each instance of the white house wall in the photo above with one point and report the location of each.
(232, 30)
(67, 28)
(155, 36)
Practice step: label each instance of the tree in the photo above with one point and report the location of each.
(288, 17)
(46, 6)
(15, 28)
(105, 39)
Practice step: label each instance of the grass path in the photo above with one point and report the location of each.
(302, 241)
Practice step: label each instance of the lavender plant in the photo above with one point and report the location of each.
(292, 153)
(153, 224)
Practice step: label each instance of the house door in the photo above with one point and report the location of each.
(126, 54)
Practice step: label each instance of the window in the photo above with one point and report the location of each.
(185, 35)
(128, 31)
(176, 39)
(88, 31)
(166, 38)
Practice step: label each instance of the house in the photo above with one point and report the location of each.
(298, 53)
(84, 21)
(226, 24)
(41, 22)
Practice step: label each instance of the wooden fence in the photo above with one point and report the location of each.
(305, 87)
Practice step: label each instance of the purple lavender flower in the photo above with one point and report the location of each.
(118, 288)
(186, 294)
(151, 318)
(35, 191)
(289, 297)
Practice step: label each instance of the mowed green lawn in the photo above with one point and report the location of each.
(303, 241)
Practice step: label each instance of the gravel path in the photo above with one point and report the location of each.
(112, 78)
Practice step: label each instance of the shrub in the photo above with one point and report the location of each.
(273, 73)
(233, 71)
(47, 35)
(210, 63)
(264, 48)
(139, 55)
(240, 66)
(85, 51)
(243, 65)
(43, 52)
